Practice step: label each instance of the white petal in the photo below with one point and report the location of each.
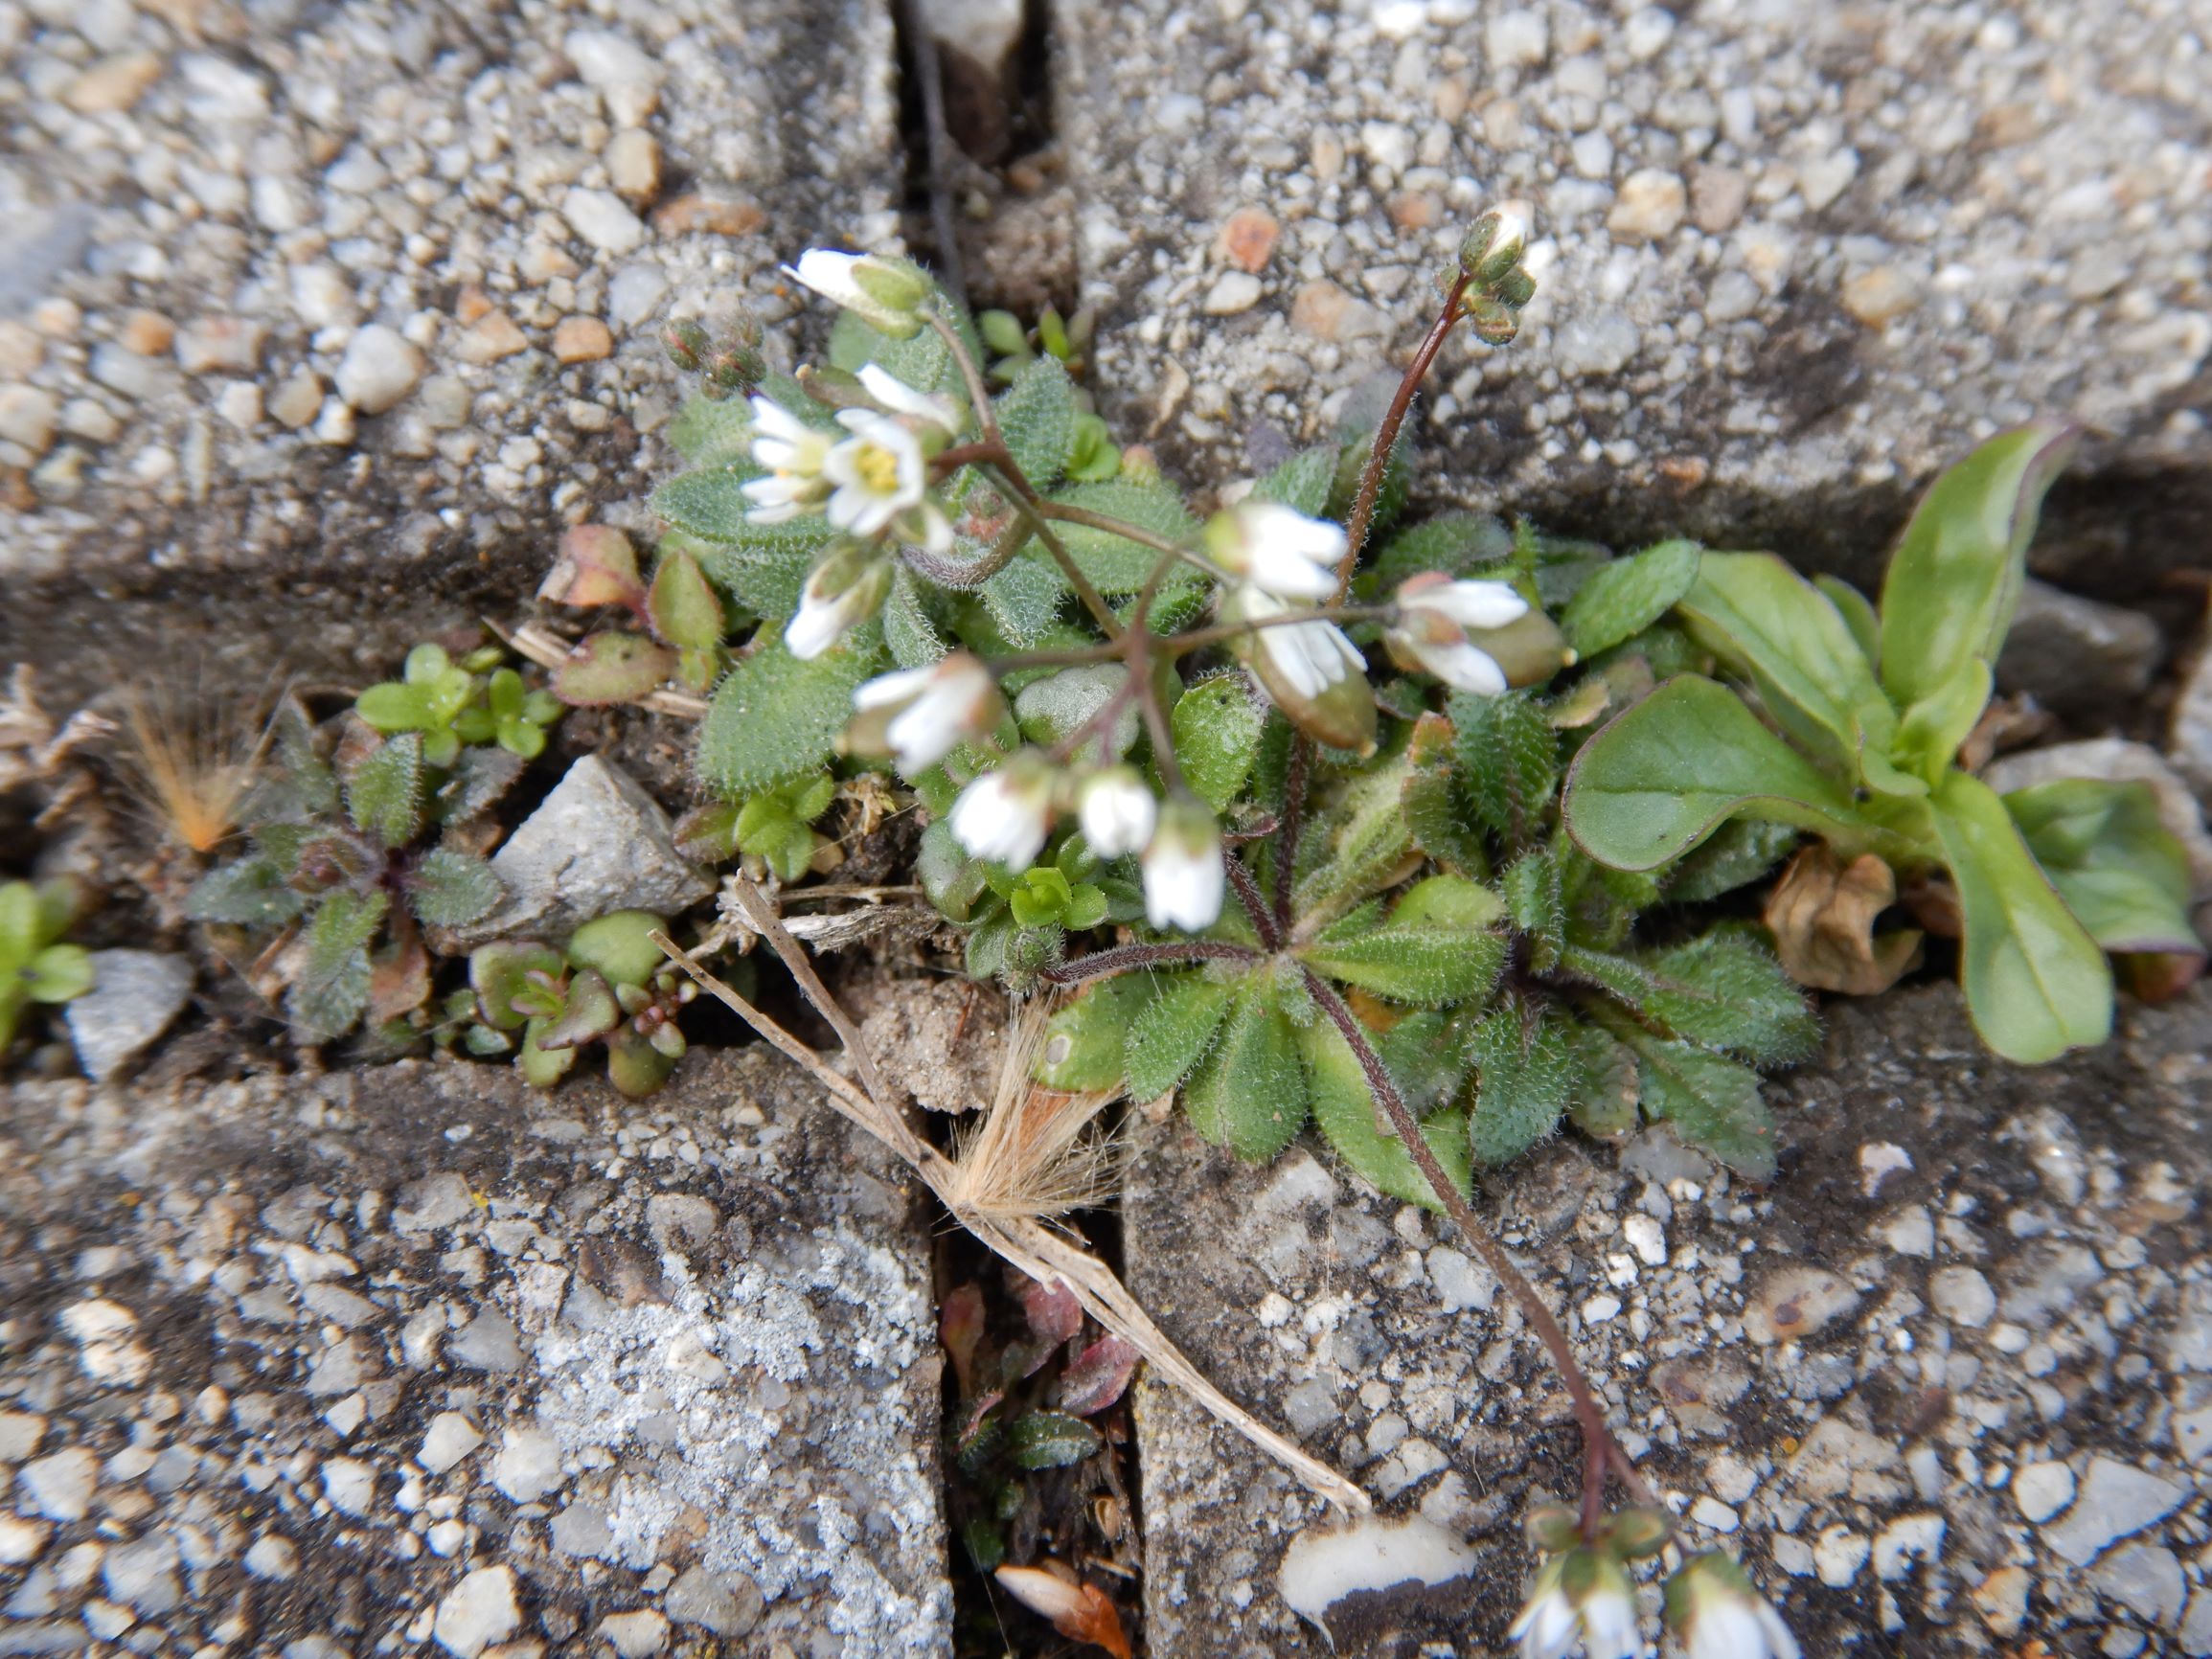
(1464, 667)
(999, 818)
(829, 274)
(1781, 1640)
(1609, 1629)
(1473, 604)
(893, 393)
(894, 686)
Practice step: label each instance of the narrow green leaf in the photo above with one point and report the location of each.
(1507, 763)
(1666, 773)
(385, 795)
(1524, 1078)
(908, 628)
(1302, 481)
(1437, 947)
(450, 889)
(1437, 814)
(1955, 579)
(2036, 983)
(1036, 415)
(1174, 1032)
(1050, 1440)
(774, 717)
(1459, 544)
(1249, 1092)
(1931, 730)
(1535, 899)
(1628, 596)
(1767, 623)
(1606, 1089)
(2121, 871)
(1356, 846)
(1345, 1108)
(1217, 726)
(1712, 1102)
(1737, 854)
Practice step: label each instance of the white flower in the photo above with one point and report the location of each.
(1435, 613)
(1183, 875)
(1117, 811)
(1494, 245)
(1309, 656)
(1581, 1599)
(886, 294)
(1719, 1615)
(932, 408)
(880, 472)
(841, 592)
(1277, 549)
(1471, 605)
(929, 711)
(1003, 815)
(793, 453)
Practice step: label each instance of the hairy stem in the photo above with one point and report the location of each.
(1588, 1414)
(1287, 832)
(1386, 435)
(1123, 957)
(1255, 903)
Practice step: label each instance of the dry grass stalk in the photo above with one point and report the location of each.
(1037, 1153)
(1024, 1241)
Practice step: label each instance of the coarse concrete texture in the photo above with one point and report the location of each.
(414, 1357)
(1974, 1289)
(1791, 260)
(317, 324)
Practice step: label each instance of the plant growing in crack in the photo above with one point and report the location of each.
(337, 864)
(37, 963)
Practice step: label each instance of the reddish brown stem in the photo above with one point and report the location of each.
(1286, 837)
(1386, 435)
(1255, 903)
(1588, 1414)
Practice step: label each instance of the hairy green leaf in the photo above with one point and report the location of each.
(1024, 598)
(612, 668)
(1724, 991)
(1662, 776)
(921, 359)
(909, 630)
(332, 987)
(2036, 983)
(1458, 544)
(1302, 481)
(1356, 846)
(1629, 595)
(1507, 763)
(1767, 623)
(774, 717)
(249, 892)
(1605, 1088)
(2119, 869)
(1737, 854)
(1355, 1125)
(1712, 1102)
(1174, 1032)
(1114, 563)
(1249, 1091)
(1053, 709)
(450, 889)
(715, 431)
(1036, 415)
(1955, 579)
(1533, 899)
(1217, 726)
(1084, 1042)
(1050, 1440)
(384, 794)
(1438, 946)
(1524, 1078)
(1436, 811)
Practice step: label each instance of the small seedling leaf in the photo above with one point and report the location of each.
(1174, 1032)
(1249, 1092)
(384, 794)
(1628, 596)
(450, 889)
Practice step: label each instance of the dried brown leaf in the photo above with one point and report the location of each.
(1080, 1612)
(1822, 914)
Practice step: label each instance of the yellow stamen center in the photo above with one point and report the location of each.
(878, 468)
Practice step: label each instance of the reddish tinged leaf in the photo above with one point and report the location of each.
(597, 566)
(614, 667)
(1097, 1376)
(960, 1328)
(400, 982)
(1054, 1314)
(2158, 975)
(1080, 1612)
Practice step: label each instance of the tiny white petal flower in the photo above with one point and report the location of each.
(879, 472)
(931, 407)
(1715, 1609)
(936, 708)
(1459, 662)
(1581, 1599)
(1311, 656)
(1277, 549)
(1003, 815)
(793, 452)
(1184, 880)
(1471, 605)
(1117, 811)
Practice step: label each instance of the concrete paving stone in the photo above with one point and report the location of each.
(1790, 262)
(328, 196)
(1883, 1442)
(749, 1412)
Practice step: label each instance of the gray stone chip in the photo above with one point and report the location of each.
(134, 995)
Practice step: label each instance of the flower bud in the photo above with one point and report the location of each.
(1494, 322)
(1529, 650)
(1580, 1600)
(919, 716)
(1004, 816)
(1311, 671)
(1184, 880)
(1276, 549)
(1713, 1608)
(842, 591)
(886, 294)
(1493, 247)
(687, 345)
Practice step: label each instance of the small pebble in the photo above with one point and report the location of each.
(380, 367)
(1234, 292)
